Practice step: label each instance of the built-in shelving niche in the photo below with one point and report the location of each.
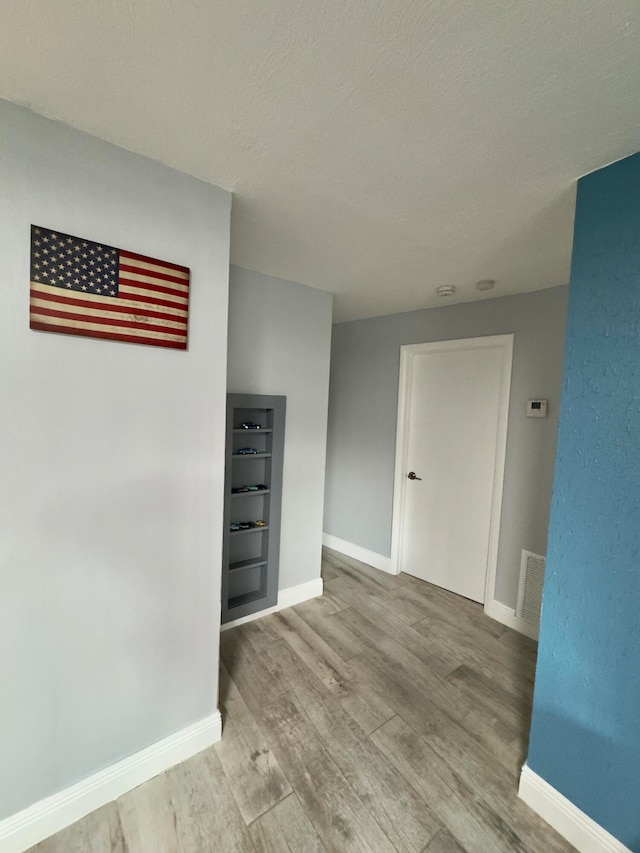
(251, 555)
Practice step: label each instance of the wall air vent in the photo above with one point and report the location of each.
(530, 588)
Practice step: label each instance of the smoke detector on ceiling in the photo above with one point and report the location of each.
(445, 290)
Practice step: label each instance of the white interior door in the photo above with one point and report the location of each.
(452, 436)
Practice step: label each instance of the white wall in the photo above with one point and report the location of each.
(279, 343)
(111, 473)
(363, 407)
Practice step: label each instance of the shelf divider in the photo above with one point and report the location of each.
(250, 455)
(249, 530)
(251, 563)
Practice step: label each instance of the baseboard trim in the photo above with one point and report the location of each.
(46, 817)
(507, 616)
(288, 597)
(357, 552)
(579, 829)
(495, 609)
(250, 618)
(293, 595)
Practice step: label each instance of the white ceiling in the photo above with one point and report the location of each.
(376, 148)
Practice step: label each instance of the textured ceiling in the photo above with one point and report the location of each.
(376, 148)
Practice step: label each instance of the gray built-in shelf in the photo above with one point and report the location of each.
(250, 562)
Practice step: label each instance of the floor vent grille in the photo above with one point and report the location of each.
(530, 588)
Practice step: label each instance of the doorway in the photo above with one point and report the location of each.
(450, 456)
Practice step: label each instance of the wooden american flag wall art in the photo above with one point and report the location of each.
(79, 287)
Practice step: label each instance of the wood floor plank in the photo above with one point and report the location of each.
(286, 829)
(253, 772)
(351, 593)
(449, 699)
(328, 571)
(335, 634)
(329, 667)
(256, 685)
(235, 712)
(403, 816)
(267, 835)
(336, 812)
(306, 662)
(424, 599)
(309, 663)
(477, 767)
(413, 702)
(473, 621)
(333, 598)
(419, 592)
(387, 715)
(374, 626)
(207, 818)
(367, 710)
(415, 706)
(148, 818)
(482, 651)
(525, 645)
(358, 570)
(323, 661)
(499, 703)
(444, 843)
(460, 809)
(324, 606)
(259, 633)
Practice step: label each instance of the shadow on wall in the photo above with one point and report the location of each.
(574, 758)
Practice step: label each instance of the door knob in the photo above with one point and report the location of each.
(412, 476)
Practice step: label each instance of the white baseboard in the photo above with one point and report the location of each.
(495, 609)
(580, 830)
(288, 597)
(293, 595)
(46, 817)
(371, 558)
(250, 618)
(507, 616)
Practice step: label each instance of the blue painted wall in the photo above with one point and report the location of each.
(585, 735)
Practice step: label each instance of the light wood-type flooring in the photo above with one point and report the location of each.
(388, 715)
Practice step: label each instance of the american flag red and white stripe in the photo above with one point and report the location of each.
(79, 287)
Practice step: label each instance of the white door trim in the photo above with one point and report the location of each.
(408, 353)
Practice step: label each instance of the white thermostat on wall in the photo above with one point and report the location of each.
(536, 408)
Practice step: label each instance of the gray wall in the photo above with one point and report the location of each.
(363, 403)
(279, 343)
(111, 473)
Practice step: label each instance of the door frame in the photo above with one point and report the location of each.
(408, 353)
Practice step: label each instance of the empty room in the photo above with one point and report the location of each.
(320, 426)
